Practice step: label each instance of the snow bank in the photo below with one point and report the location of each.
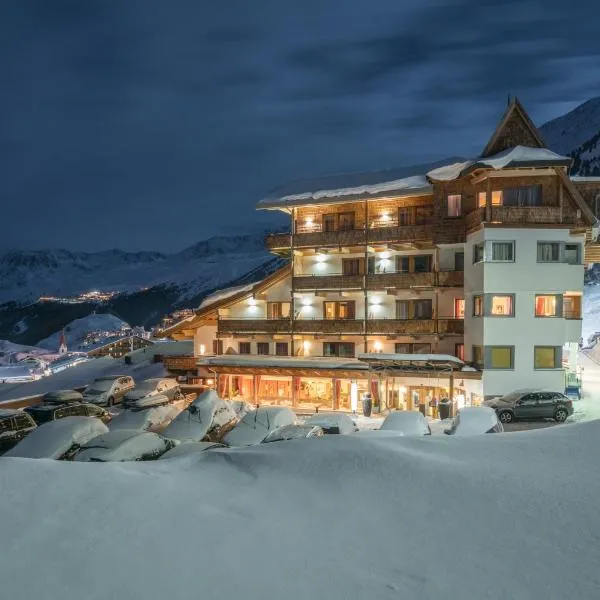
(495, 517)
(155, 418)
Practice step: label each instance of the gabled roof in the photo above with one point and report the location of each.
(209, 310)
(515, 128)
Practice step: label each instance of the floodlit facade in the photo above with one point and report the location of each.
(482, 260)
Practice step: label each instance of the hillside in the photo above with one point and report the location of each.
(577, 134)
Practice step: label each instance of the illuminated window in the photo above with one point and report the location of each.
(497, 198)
(459, 351)
(501, 306)
(459, 308)
(547, 357)
(454, 205)
(278, 310)
(547, 306)
(481, 199)
(339, 310)
(478, 306)
(499, 357)
(572, 306)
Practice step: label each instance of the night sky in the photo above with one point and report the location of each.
(142, 124)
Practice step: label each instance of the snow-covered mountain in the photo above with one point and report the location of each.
(577, 134)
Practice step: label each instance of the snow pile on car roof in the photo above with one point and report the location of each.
(490, 516)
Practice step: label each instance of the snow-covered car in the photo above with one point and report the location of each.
(44, 412)
(14, 426)
(59, 439)
(188, 448)
(62, 397)
(155, 418)
(332, 423)
(294, 432)
(124, 445)
(206, 417)
(108, 390)
(406, 423)
(475, 420)
(152, 392)
(256, 425)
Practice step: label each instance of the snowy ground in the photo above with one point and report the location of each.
(503, 516)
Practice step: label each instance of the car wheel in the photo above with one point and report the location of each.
(506, 416)
(561, 415)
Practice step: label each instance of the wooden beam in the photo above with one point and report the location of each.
(522, 172)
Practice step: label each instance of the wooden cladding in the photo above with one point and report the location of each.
(381, 281)
(328, 326)
(400, 326)
(328, 282)
(451, 278)
(180, 363)
(253, 326)
(278, 241)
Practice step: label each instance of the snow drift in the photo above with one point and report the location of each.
(493, 516)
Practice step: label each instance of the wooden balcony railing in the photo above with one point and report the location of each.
(327, 282)
(404, 233)
(451, 326)
(278, 241)
(253, 326)
(400, 326)
(475, 218)
(349, 237)
(379, 281)
(450, 278)
(520, 214)
(328, 326)
(180, 363)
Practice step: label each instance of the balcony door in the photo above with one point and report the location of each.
(344, 221)
(414, 309)
(339, 310)
(278, 310)
(352, 266)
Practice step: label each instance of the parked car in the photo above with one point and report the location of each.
(44, 412)
(108, 390)
(407, 423)
(124, 445)
(475, 420)
(155, 418)
(206, 417)
(333, 423)
(14, 426)
(59, 439)
(532, 405)
(256, 425)
(62, 397)
(294, 432)
(153, 392)
(187, 448)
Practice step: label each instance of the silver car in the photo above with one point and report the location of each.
(109, 390)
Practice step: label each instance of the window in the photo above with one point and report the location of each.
(338, 222)
(402, 264)
(572, 306)
(262, 348)
(423, 215)
(547, 357)
(459, 261)
(339, 310)
(402, 309)
(478, 306)
(501, 306)
(278, 310)
(459, 308)
(405, 216)
(352, 266)
(499, 357)
(244, 347)
(329, 223)
(421, 348)
(482, 199)
(548, 252)
(422, 263)
(403, 348)
(459, 351)
(217, 347)
(423, 309)
(344, 349)
(478, 253)
(573, 254)
(454, 205)
(477, 355)
(414, 309)
(281, 348)
(530, 195)
(547, 305)
(346, 221)
(503, 251)
(496, 198)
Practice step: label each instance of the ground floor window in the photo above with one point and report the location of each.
(547, 357)
(499, 357)
(345, 349)
(419, 348)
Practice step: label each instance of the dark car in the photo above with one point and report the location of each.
(14, 426)
(45, 412)
(62, 397)
(532, 405)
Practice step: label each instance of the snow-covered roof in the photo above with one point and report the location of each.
(412, 358)
(307, 362)
(222, 295)
(518, 156)
(16, 372)
(349, 187)
(583, 179)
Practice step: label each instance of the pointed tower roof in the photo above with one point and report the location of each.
(62, 343)
(515, 129)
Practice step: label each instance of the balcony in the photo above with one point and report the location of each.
(521, 214)
(249, 326)
(451, 326)
(278, 241)
(400, 326)
(451, 278)
(180, 363)
(313, 236)
(328, 326)
(327, 282)
(391, 231)
(380, 281)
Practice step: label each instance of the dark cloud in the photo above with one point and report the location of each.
(146, 124)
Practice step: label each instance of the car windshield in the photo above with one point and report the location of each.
(101, 386)
(94, 391)
(146, 386)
